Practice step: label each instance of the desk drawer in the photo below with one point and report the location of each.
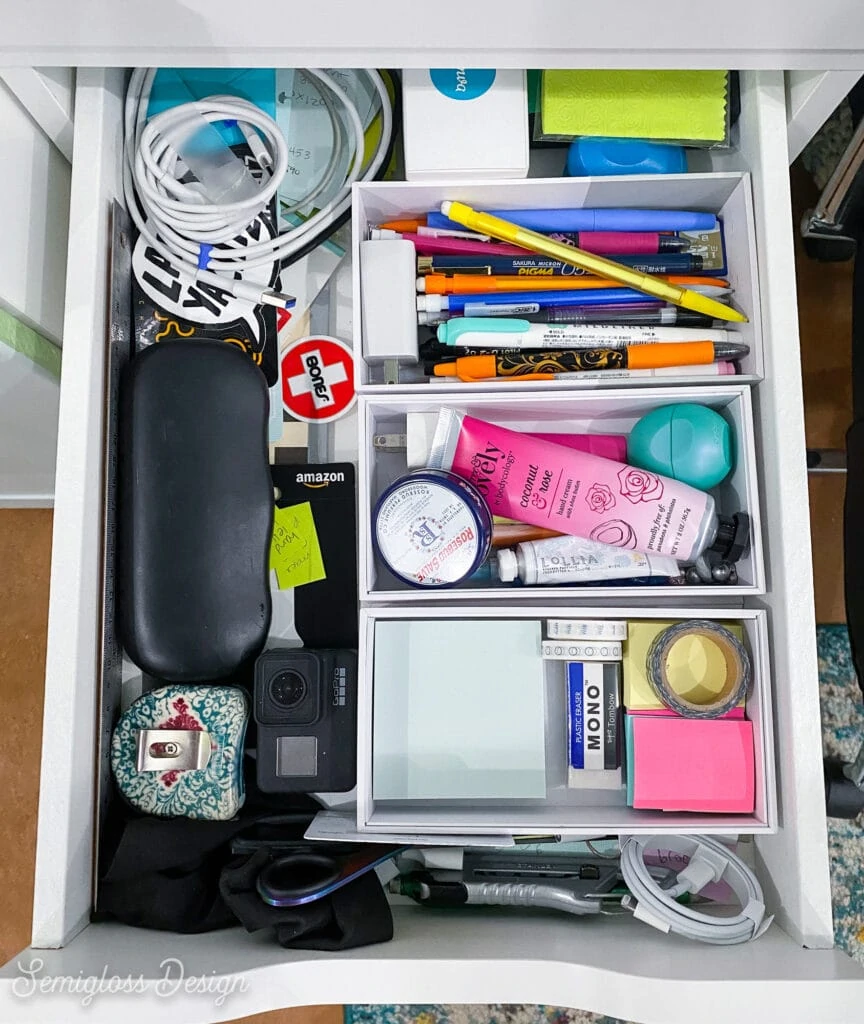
(462, 957)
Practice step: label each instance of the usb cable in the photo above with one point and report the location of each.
(709, 861)
(198, 235)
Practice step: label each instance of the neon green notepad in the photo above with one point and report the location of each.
(674, 105)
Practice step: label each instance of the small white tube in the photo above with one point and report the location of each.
(578, 560)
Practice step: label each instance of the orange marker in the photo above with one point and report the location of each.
(408, 226)
(552, 365)
(479, 284)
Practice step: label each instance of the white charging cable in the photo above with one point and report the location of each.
(709, 861)
(182, 223)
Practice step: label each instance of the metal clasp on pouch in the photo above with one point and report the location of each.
(163, 750)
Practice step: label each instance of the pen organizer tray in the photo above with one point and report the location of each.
(604, 412)
(177, 752)
(726, 194)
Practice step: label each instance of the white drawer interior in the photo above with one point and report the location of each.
(793, 863)
(599, 412)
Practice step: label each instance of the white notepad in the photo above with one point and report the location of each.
(458, 710)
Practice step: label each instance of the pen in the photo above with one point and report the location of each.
(492, 332)
(585, 219)
(433, 351)
(548, 365)
(721, 369)
(426, 245)
(473, 284)
(613, 243)
(424, 232)
(498, 228)
(408, 225)
(636, 314)
(624, 243)
(539, 299)
(527, 264)
(468, 244)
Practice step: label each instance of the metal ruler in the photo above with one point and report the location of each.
(120, 347)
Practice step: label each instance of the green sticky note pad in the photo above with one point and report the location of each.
(673, 105)
(295, 553)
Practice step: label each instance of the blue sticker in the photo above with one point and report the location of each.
(462, 83)
(204, 251)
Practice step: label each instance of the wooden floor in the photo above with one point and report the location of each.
(824, 292)
(825, 319)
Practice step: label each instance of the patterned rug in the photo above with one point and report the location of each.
(842, 734)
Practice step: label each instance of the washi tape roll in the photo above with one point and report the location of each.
(732, 654)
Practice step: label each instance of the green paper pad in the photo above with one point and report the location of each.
(668, 105)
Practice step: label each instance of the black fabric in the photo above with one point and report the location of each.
(195, 511)
(358, 914)
(179, 875)
(164, 872)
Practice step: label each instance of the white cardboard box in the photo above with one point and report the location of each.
(580, 811)
(600, 412)
(727, 194)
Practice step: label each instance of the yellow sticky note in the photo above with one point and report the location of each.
(295, 553)
(675, 105)
(684, 657)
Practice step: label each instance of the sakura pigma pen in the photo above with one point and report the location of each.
(546, 365)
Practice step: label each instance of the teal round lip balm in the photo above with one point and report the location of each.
(689, 442)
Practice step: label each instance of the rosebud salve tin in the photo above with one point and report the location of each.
(431, 528)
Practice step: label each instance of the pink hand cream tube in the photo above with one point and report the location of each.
(545, 484)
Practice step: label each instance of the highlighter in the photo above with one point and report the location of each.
(496, 227)
(548, 365)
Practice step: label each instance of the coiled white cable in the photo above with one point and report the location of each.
(709, 861)
(180, 223)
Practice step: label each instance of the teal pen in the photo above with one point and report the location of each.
(504, 333)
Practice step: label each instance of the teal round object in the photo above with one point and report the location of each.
(687, 442)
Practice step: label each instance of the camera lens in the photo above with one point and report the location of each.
(288, 689)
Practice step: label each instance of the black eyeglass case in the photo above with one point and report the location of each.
(195, 511)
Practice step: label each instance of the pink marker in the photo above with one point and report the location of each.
(439, 242)
(427, 246)
(623, 243)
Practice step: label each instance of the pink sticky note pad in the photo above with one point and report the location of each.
(690, 764)
(668, 713)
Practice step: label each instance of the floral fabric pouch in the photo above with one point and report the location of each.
(177, 752)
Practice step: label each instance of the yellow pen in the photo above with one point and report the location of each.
(503, 230)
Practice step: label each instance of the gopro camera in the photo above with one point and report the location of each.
(306, 710)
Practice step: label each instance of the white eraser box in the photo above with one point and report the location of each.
(459, 122)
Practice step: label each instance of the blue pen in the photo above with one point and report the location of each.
(527, 302)
(519, 303)
(594, 220)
